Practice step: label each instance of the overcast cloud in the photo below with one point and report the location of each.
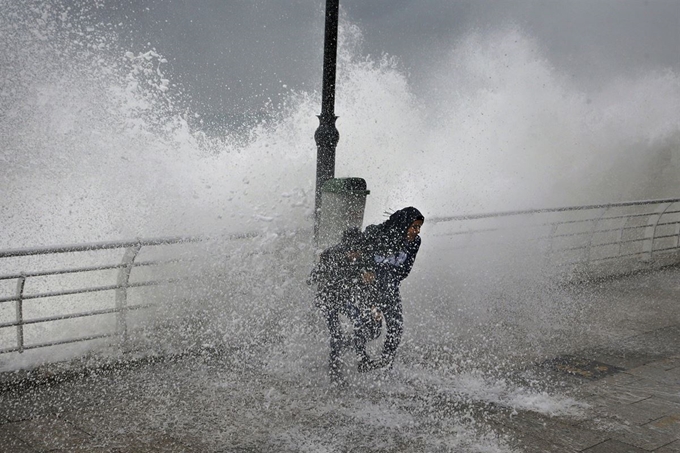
(234, 55)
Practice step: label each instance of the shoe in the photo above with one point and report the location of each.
(337, 378)
(338, 381)
(346, 343)
(383, 363)
(365, 365)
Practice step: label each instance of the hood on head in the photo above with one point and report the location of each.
(400, 220)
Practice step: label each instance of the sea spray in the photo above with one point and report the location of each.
(98, 144)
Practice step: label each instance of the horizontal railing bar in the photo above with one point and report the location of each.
(605, 230)
(92, 268)
(57, 343)
(667, 223)
(62, 271)
(62, 293)
(627, 241)
(627, 255)
(115, 245)
(566, 222)
(506, 228)
(665, 236)
(592, 246)
(547, 224)
(566, 249)
(569, 249)
(95, 246)
(635, 227)
(613, 257)
(603, 219)
(107, 311)
(566, 235)
(603, 244)
(562, 235)
(614, 217)
(640, 214)
(95, 289)
(665, 249)
(549, 210)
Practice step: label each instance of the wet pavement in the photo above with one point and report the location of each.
(620, 394)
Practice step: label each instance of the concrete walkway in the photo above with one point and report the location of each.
(636, 409)
(628, 389)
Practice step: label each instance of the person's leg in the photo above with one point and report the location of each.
(336, 343)
(394, 320)
(359, 339)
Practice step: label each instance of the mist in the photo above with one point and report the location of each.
(242, 56)
(144, 119)
(148, 118)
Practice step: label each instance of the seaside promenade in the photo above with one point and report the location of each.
(627, 389)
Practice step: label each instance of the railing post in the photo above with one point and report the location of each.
(677, 234)
(592, 233)
(551, 239)
(21, 282)
(650, 231)
(121, 292)
(620, 235)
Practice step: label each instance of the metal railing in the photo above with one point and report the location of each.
(640, 231)
(636, 231)
(123, 283)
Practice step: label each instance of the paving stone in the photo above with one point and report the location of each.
(638, 350)
(532, 444)
(48, 400)
(151, 444)
(554, 431)
(669, 424)
(633, 411)
(662, 342)
(643, 437)
(673, 447)
(619, 379)
(668, 363)
(655, 372)
(48, 434)
(641, 412)
(133, 445)
(125, 428)
(606, 396)
(621, 358)
(582, 367)
(10, 443)
(658, 390)
(640, 436)
(614, 446)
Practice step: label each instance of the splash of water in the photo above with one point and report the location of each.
(97, 146)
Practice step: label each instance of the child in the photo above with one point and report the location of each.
(343, 290)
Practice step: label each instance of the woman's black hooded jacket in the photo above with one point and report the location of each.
(386, 251)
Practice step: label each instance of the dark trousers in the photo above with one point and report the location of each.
(364, 327)
(394, 320)
(338, 342)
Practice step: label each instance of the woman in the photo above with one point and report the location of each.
(388, 253)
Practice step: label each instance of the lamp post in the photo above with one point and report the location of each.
(327, 135)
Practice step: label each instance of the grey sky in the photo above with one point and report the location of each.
(233, 55)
